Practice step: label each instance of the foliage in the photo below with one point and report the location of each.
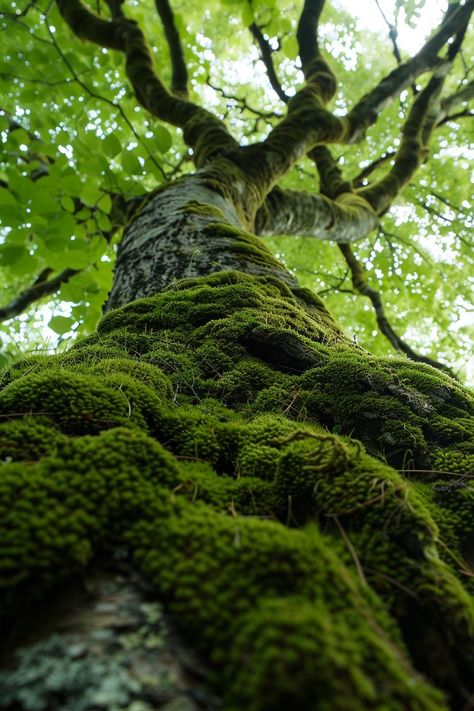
(73, 140)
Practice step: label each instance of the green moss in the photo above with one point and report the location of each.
(198, 208)
(289, 497)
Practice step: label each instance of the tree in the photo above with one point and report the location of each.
(301, 508)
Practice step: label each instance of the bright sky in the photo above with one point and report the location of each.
(409, 40)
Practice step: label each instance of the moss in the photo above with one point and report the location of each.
(289, 497)
(198, 208)
(27, 439)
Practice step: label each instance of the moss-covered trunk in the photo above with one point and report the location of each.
(302, 509)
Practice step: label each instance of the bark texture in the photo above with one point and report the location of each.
(302, 509)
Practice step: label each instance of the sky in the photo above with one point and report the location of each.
(369, 13)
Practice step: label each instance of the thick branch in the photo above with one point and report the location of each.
(35, 292)
(202, 131)
(412, 151)
(291, 212)
(315, 68)
(361, 285)
(330, 175)
(179, 79)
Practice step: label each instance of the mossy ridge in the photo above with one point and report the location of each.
(197, 385)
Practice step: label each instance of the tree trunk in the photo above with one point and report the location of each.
(302, 509)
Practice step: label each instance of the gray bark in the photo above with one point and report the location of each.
(186, 230)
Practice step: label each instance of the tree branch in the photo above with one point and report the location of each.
(415, 135)
(361, 286)
(179, 78)
(315, 67)
(332, 182)
(35, 292)
(366, 111)
(266, 56)
(348, 218)
(206, 134)
(357, 181)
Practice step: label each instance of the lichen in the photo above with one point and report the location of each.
(302, 508)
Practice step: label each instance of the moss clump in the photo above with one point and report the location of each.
(289, 497)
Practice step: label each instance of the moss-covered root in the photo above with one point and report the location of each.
(224, 577)
(210, 433)
(288, 624)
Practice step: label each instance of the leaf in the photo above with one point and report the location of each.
(112, 145)
(105, 203)
(130, 163)
(11, 253)
(71, 184)
(61, 324)
(68, 203)
(91, 194)
(7, 198)
(247, 14)
(163, 138)
(291, 47)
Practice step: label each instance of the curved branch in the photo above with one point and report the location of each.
(293, 212)
(35, 292)
(179, 78)
(315, 68)
(415, 135)
(361, 286)
(330, 175)
(206, 134)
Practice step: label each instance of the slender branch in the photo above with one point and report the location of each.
(266, 53)
(392, 33)
(179, 78)
(348, 218)
(455, 117)
(309, 123)
(206, 134)
(458, 97)
(358, 180)
(243, 103)
(361, 286)
(35, 292)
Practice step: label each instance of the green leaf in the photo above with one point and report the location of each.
(131, 164)
(7, 198)
(11, 253)
(163, 138)
(61, 324)
(291, 47)
(247, 14)
(105, 203)
(112, 145)
(103, 222)
(71, 184)
(91, 194)
(68, 203)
